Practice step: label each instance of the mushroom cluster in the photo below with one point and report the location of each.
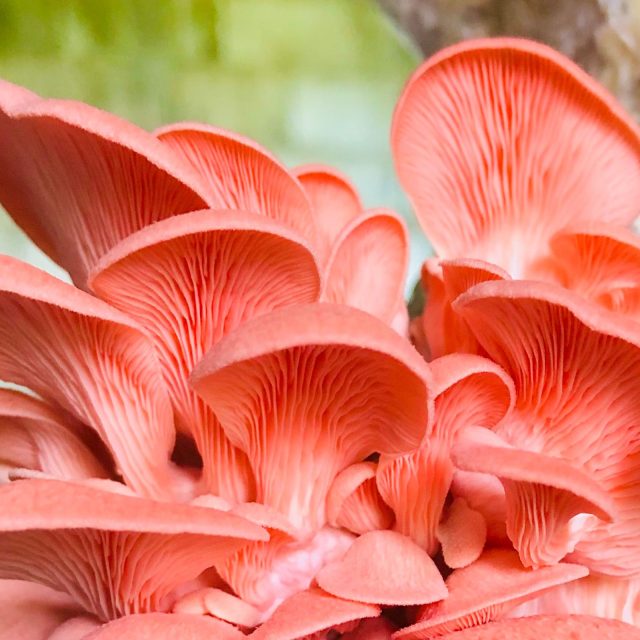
(228, 425)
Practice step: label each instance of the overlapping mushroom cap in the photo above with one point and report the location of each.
(469, 391)
(173, 282)
(320, 374)
(501, 143)
(232, 434)
(572, 445)
(514, 157)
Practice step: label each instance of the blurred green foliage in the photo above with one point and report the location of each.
(313, 80)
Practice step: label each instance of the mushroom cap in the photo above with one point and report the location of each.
(354, 502)
(445, 331)
(113, 553)
(552, 627)
(85, 356)
(323, 374)
(240, 174)
(321, 612)
(189, 280)
(501, 142)
(599, 262)
(484, 591)
(164, 626)
(385, 568)
(575, 369)
(334, 200)
(367, 266)
(105, 177)
(468, 389)
(37, 436)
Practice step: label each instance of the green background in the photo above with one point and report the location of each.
(313, 80)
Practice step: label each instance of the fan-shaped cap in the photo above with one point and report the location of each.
(310, 612)
(575, 369)
(485, 591)
(78, 179)
(354, 502)
(543, 497)
(114, 554)
(323, 374)
(334, 200)
(239, 174)
(34, 435)
(368, 264)
(164, 626)
(552, 627)
(190, 280)
(462, 534)
(502, 142)
(93, 361)
(599, 262)
(386, 568)
(469, 390)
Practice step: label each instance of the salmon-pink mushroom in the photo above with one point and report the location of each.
(78, 180)
(502, 142)
(385, 568)
(443, 281)
(462, 534)
(30, 611)
(552, 627)
(308, 390)
(113, 554)
(35, 435)
(313, 611)
(546, 498)
(468, 389)
(601, 263)
(240, 174)
(600, 596)
(485, 591)
(263, 381)
(334, 200)
(93, 361)
(190, 280)
(164, 626)
(484, 493)
(367, 266)
(573, 437)
(354, 502)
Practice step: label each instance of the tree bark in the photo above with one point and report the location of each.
(603, 36)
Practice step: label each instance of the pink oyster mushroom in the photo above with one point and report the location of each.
(364, 253)
(229, 437)
(511, 155)
(115, 367)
